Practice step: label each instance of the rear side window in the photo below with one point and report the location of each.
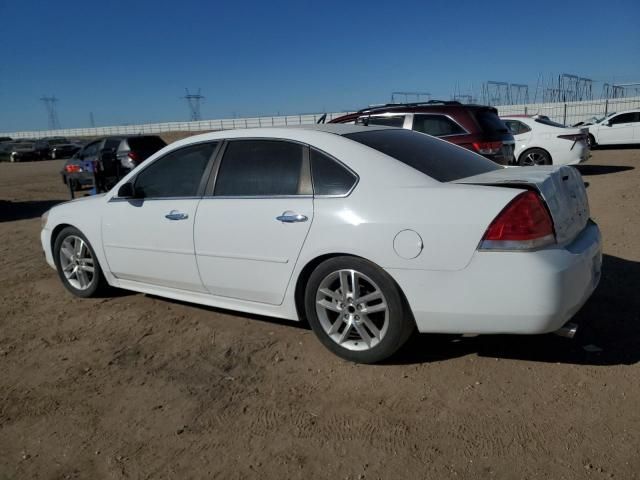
(260, 168)
(517, 127)
(436, 125)
(436, 158)
(177, 174)
(329, 177)
(386, 120)
(152, 143)
(490, 122)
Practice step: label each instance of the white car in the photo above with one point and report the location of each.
(540, 141)
(617, 129)
(368, 232)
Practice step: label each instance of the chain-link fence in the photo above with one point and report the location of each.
(570, 113)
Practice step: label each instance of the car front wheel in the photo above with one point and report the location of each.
(357, 310)
(77, 264)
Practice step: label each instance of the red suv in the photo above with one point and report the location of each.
(475, 127)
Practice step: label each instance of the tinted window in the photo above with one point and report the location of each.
(388, 121)
(177, 174)
(436, 125)
(90, 150)
(144, 147)
(517, 127)
(329, 177)
(260, 167)
(625, 118)
(490, 122)
(438, 159)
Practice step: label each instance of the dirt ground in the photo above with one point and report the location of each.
(135, 386)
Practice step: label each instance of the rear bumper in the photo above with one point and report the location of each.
(506, 292)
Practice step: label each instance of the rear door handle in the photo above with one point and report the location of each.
(291, 217)
(176, 215)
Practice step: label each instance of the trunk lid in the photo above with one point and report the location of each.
(562, 189)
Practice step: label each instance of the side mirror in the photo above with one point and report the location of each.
(126, 190)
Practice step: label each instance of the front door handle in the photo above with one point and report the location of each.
(176, 215)
(291, 217)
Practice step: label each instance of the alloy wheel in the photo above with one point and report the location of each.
(76, 262)
(352, 309)
(534, 158)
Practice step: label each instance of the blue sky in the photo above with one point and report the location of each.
(129, 61)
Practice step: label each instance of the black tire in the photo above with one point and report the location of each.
(397, 316)
(534, 156)
(592, 141)
(64, 179)
(97, 284)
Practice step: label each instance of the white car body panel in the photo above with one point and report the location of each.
(248, 261)
(607, 133)
(562, 151)
(243, 252)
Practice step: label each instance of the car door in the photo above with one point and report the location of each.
(149, 238)
(251, 227)
(618, 129)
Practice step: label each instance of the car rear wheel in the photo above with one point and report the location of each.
(77, 265)
(533, 157)
(591, 140)
(357, 310)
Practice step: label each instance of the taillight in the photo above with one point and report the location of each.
(72, 168)
(576, 137)
(523, 224)
(487, 148)
(133, 156)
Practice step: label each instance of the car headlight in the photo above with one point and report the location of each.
(43, 219)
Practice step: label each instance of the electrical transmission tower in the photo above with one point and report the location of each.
(418, 96)
(194, 100)
(92, 122)
(52, 113)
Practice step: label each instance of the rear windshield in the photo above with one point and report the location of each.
(546, 121)
(149, 145)
(490, 122)
(436, 158)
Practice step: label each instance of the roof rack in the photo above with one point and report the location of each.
(415, 104)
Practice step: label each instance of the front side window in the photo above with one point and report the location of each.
(384, 120)
(329, 177)
(177, 174)
(436, 125)
(625, 118)
(261, 168)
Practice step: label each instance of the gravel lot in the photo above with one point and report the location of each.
(136, 386)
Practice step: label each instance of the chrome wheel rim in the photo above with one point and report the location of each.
(534, 158)
(77, 262)
(352, 310)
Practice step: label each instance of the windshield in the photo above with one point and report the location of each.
(435, 158)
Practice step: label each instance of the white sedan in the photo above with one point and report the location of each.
(540, 141)
(367, 232)
(619, 128)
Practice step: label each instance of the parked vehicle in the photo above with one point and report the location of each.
(540, 141)
(368, 232)
(475, 127)
(56, 148)
(5, 139)
(617, 129)
(19, 151)
(111, 158)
